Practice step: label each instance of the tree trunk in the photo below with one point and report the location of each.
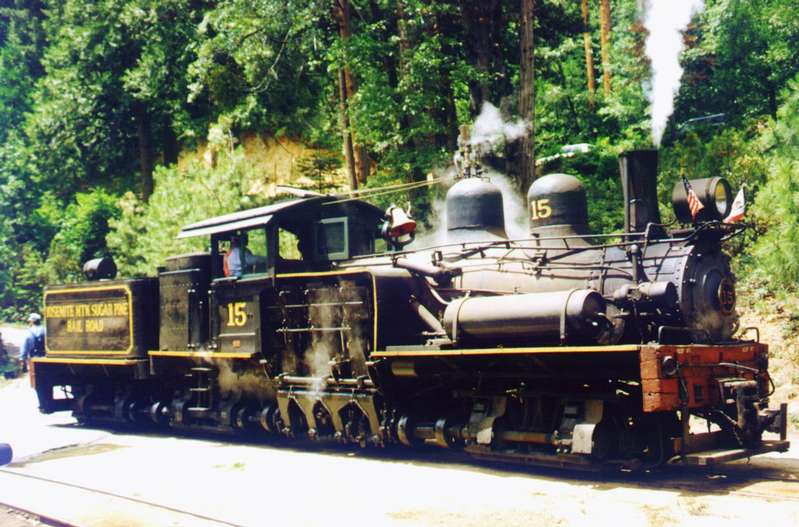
(171, 147)
(604, 22)
(772, 99)
(146, 152)
(389, 30)
(482, 22)
(527, 93)
(408, 38)
(360, 156)
(589, 52)
(349, 156)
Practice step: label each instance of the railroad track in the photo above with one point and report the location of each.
(181, 516)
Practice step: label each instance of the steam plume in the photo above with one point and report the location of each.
(665, 20)
(488, 134)
(490, 130)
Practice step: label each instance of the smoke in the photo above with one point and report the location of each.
(322, 317)
(665, 20)
(489, 133)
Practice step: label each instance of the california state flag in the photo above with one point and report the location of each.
(738, 208)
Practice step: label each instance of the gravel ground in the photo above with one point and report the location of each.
(156, 479)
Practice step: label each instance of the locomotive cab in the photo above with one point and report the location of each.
(309, 235)
(304, 235)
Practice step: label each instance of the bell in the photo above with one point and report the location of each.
(401, 227)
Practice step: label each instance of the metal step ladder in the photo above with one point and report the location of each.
(202, 392)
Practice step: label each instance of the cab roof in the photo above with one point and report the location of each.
(263, 215)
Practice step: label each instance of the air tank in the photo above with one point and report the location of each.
(569, 316)
(100, 268)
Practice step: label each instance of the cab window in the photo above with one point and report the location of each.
(288, 245)
(332, 239)
(243, 252)
(256, 258)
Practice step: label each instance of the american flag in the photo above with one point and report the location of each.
(694, 204)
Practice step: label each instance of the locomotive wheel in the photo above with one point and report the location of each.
(243, 415)
(658, 431)
(159, 413)
(605, 440)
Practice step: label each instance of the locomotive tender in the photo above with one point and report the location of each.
(563, 349)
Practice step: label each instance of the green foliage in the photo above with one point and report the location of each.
(258, 64)
(28, 279)
(741, 56)
(564, 113)
(79, 232)
(775, 255)
(21, 40)
(83, 227)
(81, 129)
(92, 93)
(115, 87)
(144, 234)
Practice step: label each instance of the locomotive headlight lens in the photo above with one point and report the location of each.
(714, 193)
(721, 195)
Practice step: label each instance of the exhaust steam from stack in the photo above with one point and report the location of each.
(665, 20)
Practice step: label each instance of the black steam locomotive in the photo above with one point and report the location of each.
(566, 348)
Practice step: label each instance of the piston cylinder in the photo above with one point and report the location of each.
(559, 316)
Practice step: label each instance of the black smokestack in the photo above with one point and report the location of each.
(639, 179)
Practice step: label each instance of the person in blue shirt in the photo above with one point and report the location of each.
(34, 342)
(234, 259)
(240, 259)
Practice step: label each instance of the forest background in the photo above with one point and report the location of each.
(122, 120)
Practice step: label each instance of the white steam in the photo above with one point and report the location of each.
(513, 206)
(490, 131)
(239, 382)
(665, 20)
(488, 134)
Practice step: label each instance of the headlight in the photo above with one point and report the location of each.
(721, 195)
(714, 193)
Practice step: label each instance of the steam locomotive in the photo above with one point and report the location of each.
(565, 348)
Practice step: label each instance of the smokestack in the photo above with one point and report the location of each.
(639, 179)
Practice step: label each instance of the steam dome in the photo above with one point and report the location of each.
(475, 207)
(557, 203)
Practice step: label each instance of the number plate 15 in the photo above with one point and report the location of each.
(540, 209)
(237, 314)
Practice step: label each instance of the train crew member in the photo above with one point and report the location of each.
(233, 263)
(240, 259)
(34, 342)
